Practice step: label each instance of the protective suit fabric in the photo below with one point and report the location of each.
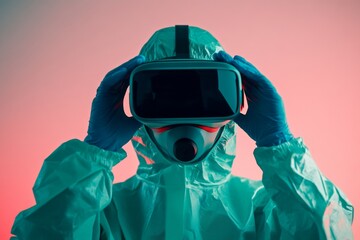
(72, 188)
(75, 198)
(162, 44)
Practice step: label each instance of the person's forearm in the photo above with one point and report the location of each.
(73, 186)
(299, 190)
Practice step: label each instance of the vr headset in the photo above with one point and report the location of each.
(181, 90)
(185, 91)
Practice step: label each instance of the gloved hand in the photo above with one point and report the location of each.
(109, 127)
(265, 120)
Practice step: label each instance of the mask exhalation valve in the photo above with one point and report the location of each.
(185, 149)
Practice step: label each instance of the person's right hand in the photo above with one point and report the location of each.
(109, 127)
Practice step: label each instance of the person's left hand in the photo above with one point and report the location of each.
(265, 120)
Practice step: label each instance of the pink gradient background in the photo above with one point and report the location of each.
(54, 54)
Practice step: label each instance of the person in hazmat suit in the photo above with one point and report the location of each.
(183, 188)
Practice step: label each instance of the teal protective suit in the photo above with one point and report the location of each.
(76, 198)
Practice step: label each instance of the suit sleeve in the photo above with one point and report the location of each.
(307, 203)
(73, 187)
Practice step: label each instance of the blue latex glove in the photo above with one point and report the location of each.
(265, 120)
(109, 127)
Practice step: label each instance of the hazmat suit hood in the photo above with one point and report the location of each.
(161, 45)
(215, 167)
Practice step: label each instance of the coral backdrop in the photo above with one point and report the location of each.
(54, 54)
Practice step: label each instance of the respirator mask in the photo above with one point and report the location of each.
(184, 103)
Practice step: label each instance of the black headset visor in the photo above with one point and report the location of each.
(188, 89)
